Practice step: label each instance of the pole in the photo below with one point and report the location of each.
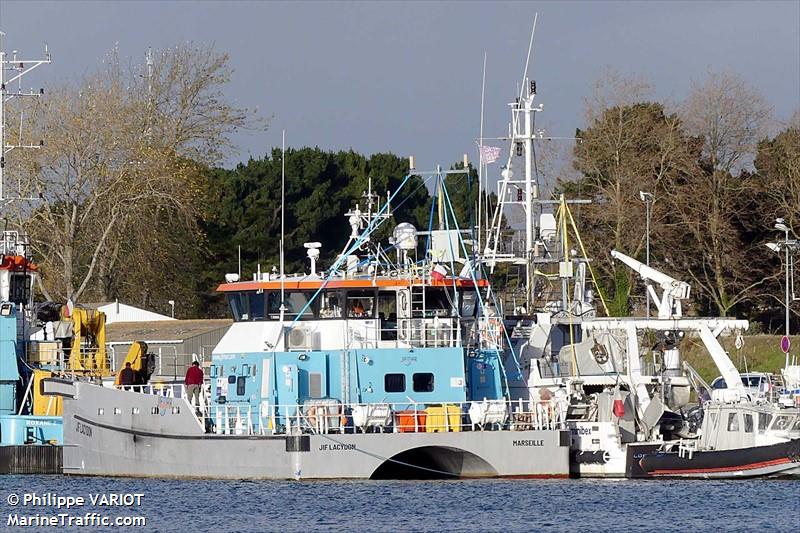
(786, 247)
(647, 253)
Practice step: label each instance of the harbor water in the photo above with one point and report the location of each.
(470, 505)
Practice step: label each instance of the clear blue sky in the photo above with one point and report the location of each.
(405, 77)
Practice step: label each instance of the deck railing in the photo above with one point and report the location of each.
(330, 416)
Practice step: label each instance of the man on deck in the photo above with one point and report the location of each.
(127, 376)
(193, 382)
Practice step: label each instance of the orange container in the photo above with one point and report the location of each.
(410, 421)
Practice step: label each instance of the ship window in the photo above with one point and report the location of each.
(294, 302)
(423, 382)
(240, 385)
(246, 306)
(763, 421)
(154, 410)
(782, 423)
(315, 384)
(797, 424)
(394, 382)
(176, 410)
(733, 422)
(134, 410)
(360, 304)
(117, 411)
(330, 305)
(101, 411)
(468, 300)
(438, 302)
(19, 290)
(213, 371)
(748, 423)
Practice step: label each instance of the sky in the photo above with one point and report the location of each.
(406, 77)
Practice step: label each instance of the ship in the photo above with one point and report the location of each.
(388, 364)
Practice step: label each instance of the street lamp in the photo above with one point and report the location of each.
(648, 199)
(786, 245)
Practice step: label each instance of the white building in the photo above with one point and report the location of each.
(119, 312)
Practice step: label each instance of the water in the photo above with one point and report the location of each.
(474, 505)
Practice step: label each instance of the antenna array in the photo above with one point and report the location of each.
(11, 87)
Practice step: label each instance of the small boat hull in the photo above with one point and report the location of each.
(776, 460)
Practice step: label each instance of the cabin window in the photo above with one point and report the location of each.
(439, 302)
(315, 385)
(294, 302)
(423, 382)
(733, 422)
(360, 304)
(240, 382)
(330, 305)
(394, 383)
(246, 306)
(468, 301)
(19, 290)
(387, 313)
(748, 423)
(763, 421)
(797, 424)
(782, 423)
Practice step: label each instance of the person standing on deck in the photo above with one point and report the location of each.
(127, 376)
(193, 382)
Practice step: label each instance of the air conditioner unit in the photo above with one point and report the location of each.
(302, 339)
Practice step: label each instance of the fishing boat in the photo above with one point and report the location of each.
(740, 436)
(384, 365)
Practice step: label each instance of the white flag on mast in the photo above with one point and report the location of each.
(490, 154)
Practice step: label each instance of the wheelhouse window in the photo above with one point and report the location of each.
(423, 382)
(733, 422)
(19, 290)
(763, 421)
(748, 423)
(439, 302)
(295, 304)
(394, 382)
(330, 304)
(360, 304)
(468, 303)
(246, 306)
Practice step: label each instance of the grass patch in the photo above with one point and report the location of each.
(760, 353)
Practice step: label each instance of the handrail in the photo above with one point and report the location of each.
(325, 416)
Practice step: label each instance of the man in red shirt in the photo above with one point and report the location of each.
(193, 382)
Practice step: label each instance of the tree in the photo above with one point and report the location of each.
(320, 188)
(624, 150)
(122, 176)
(729, 117)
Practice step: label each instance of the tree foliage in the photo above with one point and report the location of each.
(121, 181)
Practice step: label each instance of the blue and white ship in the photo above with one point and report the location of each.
(384, 365)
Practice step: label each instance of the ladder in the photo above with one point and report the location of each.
(418, 301)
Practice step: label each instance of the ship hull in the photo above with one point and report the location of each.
(776, 460)
(103, 437)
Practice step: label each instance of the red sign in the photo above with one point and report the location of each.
(785, 344)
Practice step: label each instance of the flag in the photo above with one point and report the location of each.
(618, 407)
(490, 154)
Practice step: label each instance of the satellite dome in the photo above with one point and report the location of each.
(405, 236)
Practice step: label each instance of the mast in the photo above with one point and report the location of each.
(18, 68)
(283, 202)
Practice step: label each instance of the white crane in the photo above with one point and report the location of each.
(673, 290)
